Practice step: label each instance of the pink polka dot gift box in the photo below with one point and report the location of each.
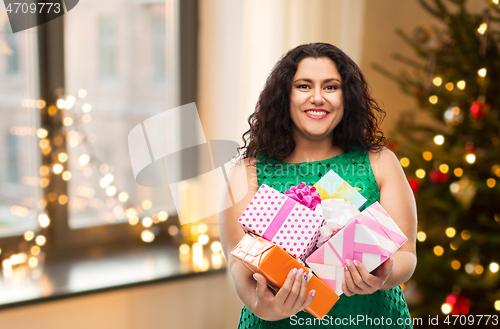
(283, 221)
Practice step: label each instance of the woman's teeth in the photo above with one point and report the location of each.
(317, 112)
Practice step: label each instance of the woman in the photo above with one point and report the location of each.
(315, 114)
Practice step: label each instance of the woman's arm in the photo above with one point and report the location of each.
(397, 199)
(252, 288)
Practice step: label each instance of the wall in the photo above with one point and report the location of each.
(240, 41)
(203, 303)
(380, 42)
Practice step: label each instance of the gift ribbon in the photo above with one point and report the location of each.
(375, 225)
(305, 195)
(247, 251)
(337, 213)
(345, 191)
(279, 219)
(355, 250)
(384, 230)
(307, 272)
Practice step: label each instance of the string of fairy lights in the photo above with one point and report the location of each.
(464, 189)
(74, 134)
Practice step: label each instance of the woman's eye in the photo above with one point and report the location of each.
(302, 86)
(332, 87)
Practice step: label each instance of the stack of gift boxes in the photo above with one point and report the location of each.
(315, 228)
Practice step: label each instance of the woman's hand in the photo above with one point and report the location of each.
(290, 299)
(357, 280)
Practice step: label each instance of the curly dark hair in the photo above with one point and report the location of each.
(271, 126)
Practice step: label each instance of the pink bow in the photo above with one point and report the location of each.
(305, 195)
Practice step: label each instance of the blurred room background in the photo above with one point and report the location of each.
(82, 245)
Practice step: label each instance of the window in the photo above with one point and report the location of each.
(108, 53)
(79, 172)
(158, 49)
(13, 162)
(102, 187)
(12, 51)
(21, 197)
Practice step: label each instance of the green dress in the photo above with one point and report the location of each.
(383, 308)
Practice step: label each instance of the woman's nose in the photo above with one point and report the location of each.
(317, 97)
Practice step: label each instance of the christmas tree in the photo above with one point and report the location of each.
(450, 150)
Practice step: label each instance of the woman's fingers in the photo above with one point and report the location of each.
(261, 284)
(302, 293)
(292, 297)
(308, 301)
(285, 290)
(363, 272)
(371, 280)
(359, 274)
(357, 279)
(353, 279)
(295, 291)
(348, 283)
(346, 290)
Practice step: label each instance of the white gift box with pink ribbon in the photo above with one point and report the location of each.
(283, 221)
(371, 237)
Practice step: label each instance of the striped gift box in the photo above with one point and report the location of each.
(371, 237)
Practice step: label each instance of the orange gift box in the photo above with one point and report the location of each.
(264, 257)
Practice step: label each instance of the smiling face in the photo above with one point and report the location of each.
(316, 103)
